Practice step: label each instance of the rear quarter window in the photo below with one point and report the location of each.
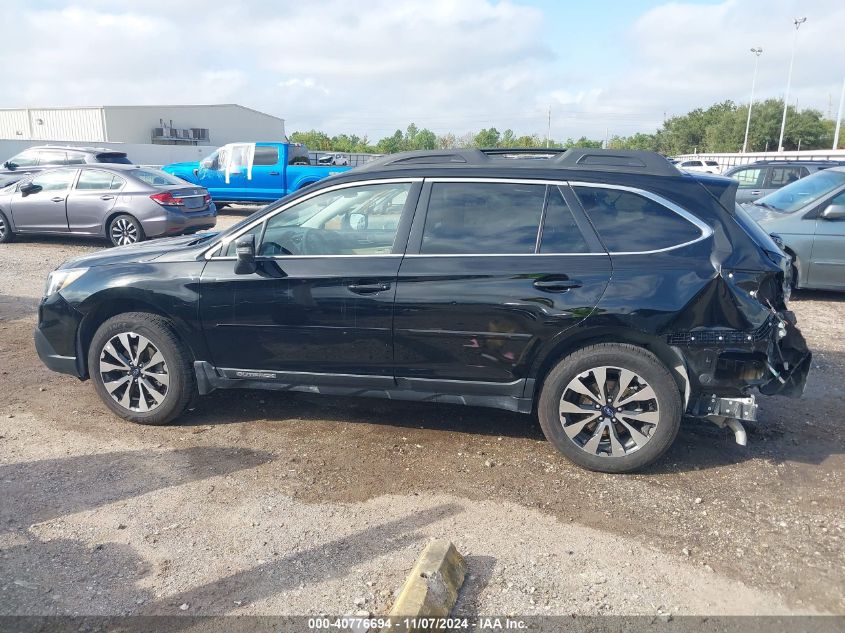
(629, 222)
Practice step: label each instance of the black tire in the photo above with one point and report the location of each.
(665, 407)
(126, 226)
(6, 234)
(221, 205)
(181, 382)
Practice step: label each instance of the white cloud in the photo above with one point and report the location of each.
(375, 66)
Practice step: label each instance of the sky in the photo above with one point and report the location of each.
(603, 66)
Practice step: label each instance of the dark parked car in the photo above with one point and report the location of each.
(605, 290)
(36, 159)
(765, 176)
(123, 203)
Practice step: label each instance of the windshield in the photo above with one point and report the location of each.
(156, 178)
(801, 193)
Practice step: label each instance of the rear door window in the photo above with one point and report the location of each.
(52, 157)
(75, 158)
(94, 179)
(470, 218)
(629, 222)
(265, 155)
(780, 176)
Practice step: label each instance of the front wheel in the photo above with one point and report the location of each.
(140, 368)
(611, 407)
(6, 234)
(125, 230)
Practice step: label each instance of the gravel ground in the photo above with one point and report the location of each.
(265, 503)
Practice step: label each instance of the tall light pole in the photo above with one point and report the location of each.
(798, 22)
(839, 116)
(757, 51)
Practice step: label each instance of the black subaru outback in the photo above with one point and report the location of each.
(605, 290)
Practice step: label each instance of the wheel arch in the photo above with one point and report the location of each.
(305, 182)
(571, 343)
(112, 215)
(112, 306)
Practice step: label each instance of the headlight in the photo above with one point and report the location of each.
(59, 279)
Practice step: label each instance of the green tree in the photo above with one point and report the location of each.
(487, 138)
(312, 139)
(391, 144)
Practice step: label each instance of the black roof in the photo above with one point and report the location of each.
(84, 150)
(576, 159)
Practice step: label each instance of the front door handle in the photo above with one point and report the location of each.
(557, 285)
(57, 199)
(106, 197)
(756, 193)
(274, 173)
(369, 289)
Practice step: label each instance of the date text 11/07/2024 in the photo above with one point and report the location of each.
(414, 624)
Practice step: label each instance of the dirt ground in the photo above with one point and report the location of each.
(267, 503)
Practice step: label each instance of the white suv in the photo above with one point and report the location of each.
(703, 166)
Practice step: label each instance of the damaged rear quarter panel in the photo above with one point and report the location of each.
(718, 303)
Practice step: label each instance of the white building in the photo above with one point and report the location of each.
(207, 125)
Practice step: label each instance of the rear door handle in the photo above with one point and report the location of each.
(557, 285)
(756, 193)
(57, 199)
(274, 173)
(369, 289)
(106, 197)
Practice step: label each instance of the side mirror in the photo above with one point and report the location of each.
(29, 188)
(245, 250)
(834, 212)
(196, 173)
(9, 165)
(358, 221)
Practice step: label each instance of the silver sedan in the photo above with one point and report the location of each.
(808, 218)
(123, 203)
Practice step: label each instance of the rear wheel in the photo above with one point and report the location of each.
(140, 368)
(6, 234)
(125, 230)
(610, 407)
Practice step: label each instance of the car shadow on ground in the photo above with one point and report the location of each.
(62, 240)
(13, 308)
(777, 437)
(41, 490)
(817, 295)
(237, 406)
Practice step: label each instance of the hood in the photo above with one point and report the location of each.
(180, 248)
(761, 214)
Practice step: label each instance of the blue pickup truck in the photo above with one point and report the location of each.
(253, 172)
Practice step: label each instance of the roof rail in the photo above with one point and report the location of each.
(582, 159)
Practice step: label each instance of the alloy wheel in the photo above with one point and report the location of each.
(134, 372)
(609, 411)
(3, 227)
(124, 232)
